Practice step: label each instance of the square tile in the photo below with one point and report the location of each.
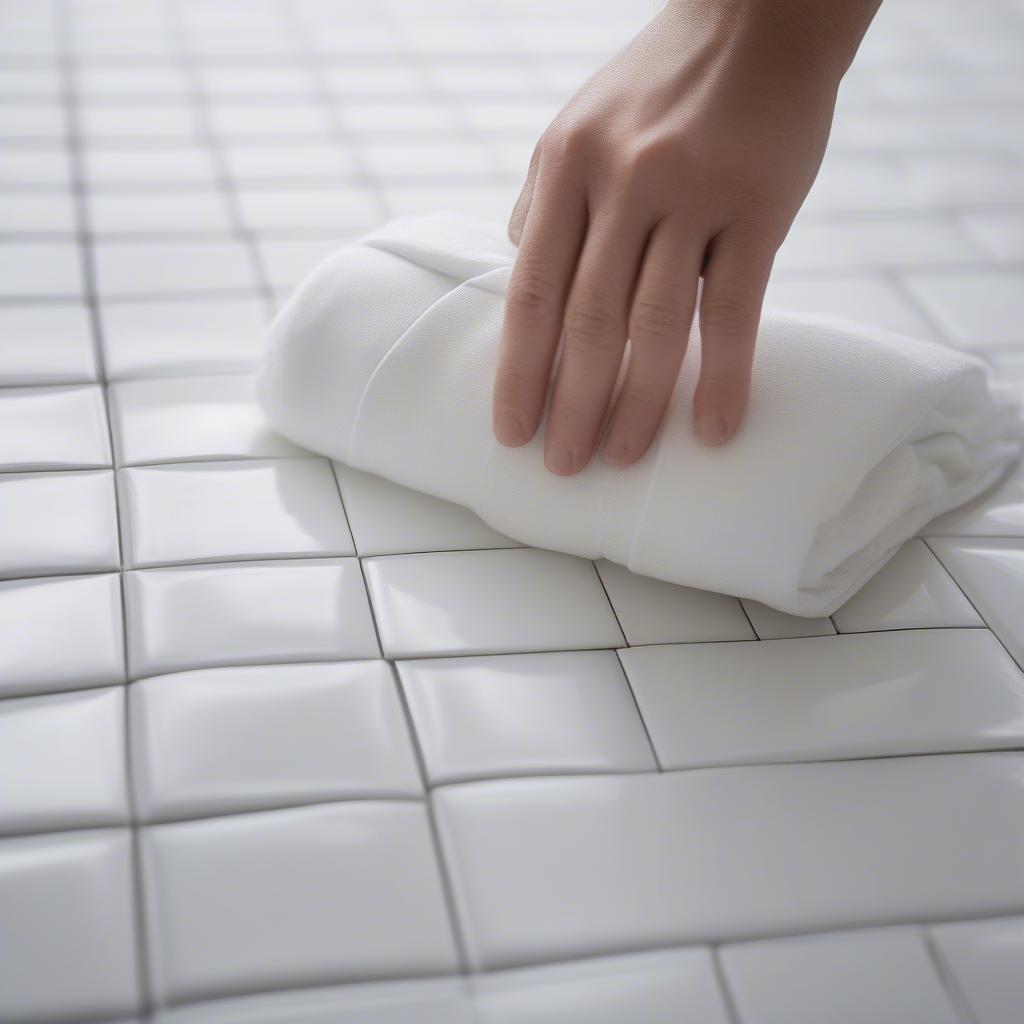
(487, 602)
(60, 634)
(387, 518)
(574, 867)
(32, 122)
(70, 899)
(984, 958)
(154, 212)
(64, 758)
(885, 976)
(991, 573)
(247, 613)
(223, 511)
(228, 912)
(40, 270)
(191, 419)
(36, 167)
(138, 122)
(653, 987)
(823, 698)
(999, 512)
(53, 428)
(912, 591)
(235, 739)
(163, 164)
(57, 523)
(975, 309)
(771, 624)
(273, 120)
(655, 612)
(167, 339)
(250, 162)
(524, 714)
(151, 268)
(1000, 233)
(49, 345)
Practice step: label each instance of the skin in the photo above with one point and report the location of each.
(682, 161)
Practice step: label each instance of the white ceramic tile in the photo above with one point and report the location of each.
(270, 120)
(300, 161)
(654, 612)
(57, 523)
(36, 212)
(46, 345)
(151, 268)
(911, 591)
(771, 624)
(446, 160)
(40, 269)
(997, 513)
(246, 613)
(372, 81)
(265, 82)
(222, 740)
(868, 300)
(148, 81)
(72, 950)
(185, 419)
(991, 573)
(423, 1001)
(828, 697)
(342, 207)
(975, 309)
(860, 244)
(524, 714)
(53, 428)
(176, 165)
(488, 602)
(63, 762)
(1000, 233)
(32, 123)
(60, 634)
(490, 202)
(166, 339)
(139, 123)
(229, 912)
(662, 987)
(219, 511)
(151, 212)
(289, 260)
(35, 167)
(984, 959)
(544, 868)
(387, 518)
(884, 976)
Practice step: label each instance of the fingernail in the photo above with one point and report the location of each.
(508, 429)
(559, 459)
(616, 452)
(711, 428)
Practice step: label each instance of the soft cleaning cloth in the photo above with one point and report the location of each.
(853, 440)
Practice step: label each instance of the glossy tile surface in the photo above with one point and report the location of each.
(227, 911)
(242, 810)
(883, 975)
(246, 613)
(626, 864)
(478, 602)
(223, 511)
(524, 714)
(264, 736)
(824, 698)
(654, 612)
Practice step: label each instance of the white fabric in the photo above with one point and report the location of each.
(384, 359)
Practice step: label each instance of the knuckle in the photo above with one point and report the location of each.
(592, 322)
(725, 314)
(532, 298)
(565, 145)
(646, 396)
(652, 320)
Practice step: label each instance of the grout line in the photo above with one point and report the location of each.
(724, 987)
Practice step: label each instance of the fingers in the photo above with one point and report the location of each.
(535, 302)
(730, 310)
(659, 327)
(596, 316)
(518, 218)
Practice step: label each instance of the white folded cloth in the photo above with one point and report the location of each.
(854, 438)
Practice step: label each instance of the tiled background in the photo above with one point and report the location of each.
(281, 742)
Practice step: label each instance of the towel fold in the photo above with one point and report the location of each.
(854, 438)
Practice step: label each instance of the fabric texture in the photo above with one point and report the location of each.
(854, 438)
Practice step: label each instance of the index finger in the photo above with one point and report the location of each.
(535, 304)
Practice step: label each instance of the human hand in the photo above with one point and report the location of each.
(686, 156)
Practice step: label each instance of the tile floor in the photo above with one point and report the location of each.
(281, 742)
